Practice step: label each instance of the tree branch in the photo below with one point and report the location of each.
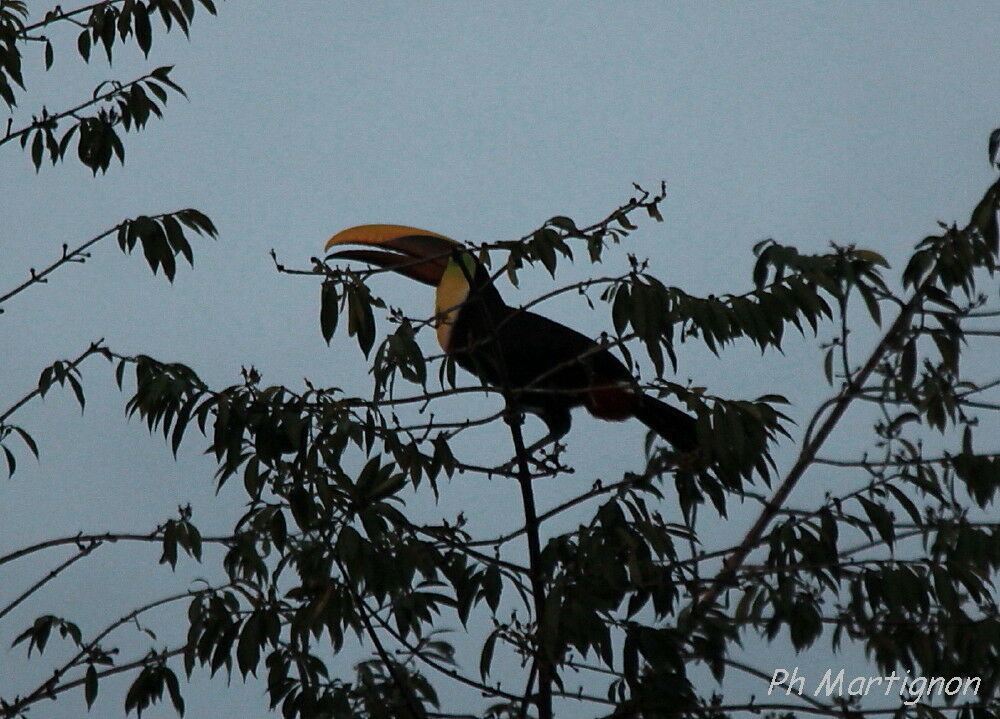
(84, 551)
(48, 687)
(405, 692)
(810, 449)
(111, 537)
(54, 17)
(119, 88)
(95, 348)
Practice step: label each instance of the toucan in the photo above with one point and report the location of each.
(545, 367)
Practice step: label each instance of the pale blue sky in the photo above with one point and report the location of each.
(806, 122)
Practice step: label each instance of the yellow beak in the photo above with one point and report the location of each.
(417, 254)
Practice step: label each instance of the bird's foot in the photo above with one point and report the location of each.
(546, 464)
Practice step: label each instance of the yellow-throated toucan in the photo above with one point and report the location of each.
(549, 367)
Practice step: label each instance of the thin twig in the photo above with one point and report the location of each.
(84, 551)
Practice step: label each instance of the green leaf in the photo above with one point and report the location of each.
(49, 55)
(37, 147)
(248, 647)
(881, 519)
(90, 686)
(174, 690)
(197, 221)
(162, 74)
(486, 656)
(565, 224)
(873, 257)
(360, 320)
(143, 31)
(83, 44)
(27, 439)
(74, 384)
(11, 462)
(543, 244)
(175, 237)
(908, 363)
(492, 587)
(328, 310)
(906, 503)
(621, 310)
(871, 303)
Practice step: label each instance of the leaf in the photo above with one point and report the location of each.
(621, 310)
(906, 504)
(197, 221)
(908, 363)
(486, 656)
(993, 148)
(175, 237)
(871, 303)
(27, 439)
(828, 526)
(565, 224)
(108, 34)
(74, 384)
(83, 44)
(625, 222)
(162, 75)
(543, 245)
(37, 147)
(360, 320)
(90, 686)
(328, 310)
(174, 689)
(49, 56)
(873, 257)
(492, 587)
(248, 646)
(143, 31)
(11, 462)
(880, 518)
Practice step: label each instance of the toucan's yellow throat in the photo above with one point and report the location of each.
(452, 292)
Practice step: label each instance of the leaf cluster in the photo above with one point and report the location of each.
(127, 105)
(900, 556)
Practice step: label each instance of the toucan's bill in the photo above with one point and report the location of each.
(417, 254)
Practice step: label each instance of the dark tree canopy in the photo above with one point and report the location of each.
(616, 617)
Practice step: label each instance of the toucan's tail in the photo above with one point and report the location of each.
(675, 426)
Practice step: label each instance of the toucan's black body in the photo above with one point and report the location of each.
(546, 367)
(552, 368)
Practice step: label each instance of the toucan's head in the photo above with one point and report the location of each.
(424, 256)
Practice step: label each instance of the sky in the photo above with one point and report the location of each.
(807, 122)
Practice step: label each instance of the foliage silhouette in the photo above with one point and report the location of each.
(328, 560)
